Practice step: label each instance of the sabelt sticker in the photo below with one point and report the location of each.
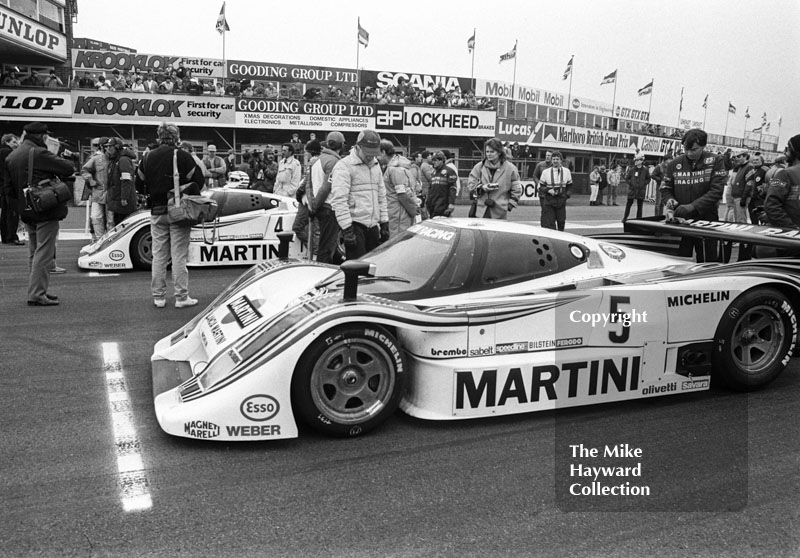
(613, 252)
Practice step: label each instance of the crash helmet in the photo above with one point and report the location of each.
(238, 179)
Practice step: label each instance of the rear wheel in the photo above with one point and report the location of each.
(349, 381)
(142, 248)
(754, 339)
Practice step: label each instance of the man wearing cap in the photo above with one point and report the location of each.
(170, 240)
(444, 186)
(42, 227)
(216, 168)
(319, 198)
(121, 192)
(358, 196)
(637, 177)
(95, 177)
(692, 188)
(782, 205)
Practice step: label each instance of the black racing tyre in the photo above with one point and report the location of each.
(142, 248)
(754, 339)
(349, 380)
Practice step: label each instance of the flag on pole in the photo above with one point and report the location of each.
(610, 78)
(568, 71)
(647, 89)
(731, 108)
(680, 106)
(471, 42)
(767, 128)
(222, 22)
(747, 112)
(363, 36)
(763, 118)
(756, 130)
(509, 55)
(705, 101)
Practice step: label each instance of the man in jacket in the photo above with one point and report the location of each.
(121, 191)
(756, 186)
(319, 194)
(401, 201)
(637, 177)
(170, 240)
(782, 205)
(738, 182)
(554, 186)
(217, 170)
(692, 187)
(289, 172)
(9, 217)
(95, 173)
(42, 227)
(358, 196)
(444, 187)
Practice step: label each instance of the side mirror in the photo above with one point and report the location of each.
(353, 269)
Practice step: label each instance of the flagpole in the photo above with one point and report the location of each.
(224, 62)
(728, 115)
(472, 71)
(358, 69)
(614, 99)
(650, 106)
(569, 95)
(705, 112)
(514, 80)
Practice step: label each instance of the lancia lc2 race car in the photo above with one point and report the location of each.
(244, 233)
(467, 318)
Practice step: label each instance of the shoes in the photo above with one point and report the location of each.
(50, 297)
(15, 243)
(58, 270)
(160, 302)
(615, 204)
(186, 302)
(43, 301)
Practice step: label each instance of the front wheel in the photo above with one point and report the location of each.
(142, 248)
(754, 339)
(349, 380)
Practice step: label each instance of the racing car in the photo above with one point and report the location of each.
(244, 232)
(468, 318)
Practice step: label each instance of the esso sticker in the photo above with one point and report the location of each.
(259, 408)
(117, 255)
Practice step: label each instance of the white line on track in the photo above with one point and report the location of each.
(133, 484)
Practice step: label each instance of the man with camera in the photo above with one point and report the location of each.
(42, 227)
(554, 184)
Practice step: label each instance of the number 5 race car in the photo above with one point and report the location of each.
(244, 233)
(465, 318)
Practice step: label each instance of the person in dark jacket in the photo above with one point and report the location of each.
(318, 193)
(637, 177)
(442, 194)
(121, 191)
(9, 217)
(170, 241)
(42, 227)
(692, 188)
(782, 204)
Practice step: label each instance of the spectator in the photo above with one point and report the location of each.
(442, 194)
(658, 176)
(756, 186)
(425, 175)
(358, 197)
(602, 184)
(42, 227)
(216, 167)
(782, 205)
(193, 87)
(614, 177)
(554, 186)
(32, 80)
(302, 219)
(9, 213)
(117, 82)
(170, 240)
(138, 85)
(12, 79)
(319, 203)
(86, 82)
(401, 200)
(542, 165)
(778, 164)
(121, 191)
(101, 84)
(692, 187)
(189, 148)
(269, 91)
(289, 172)
(637, 178)
(594, 188)
(738, 186)
(416, 161)
(95, 177)
(450, 161)
(53, 80)
(495, 182)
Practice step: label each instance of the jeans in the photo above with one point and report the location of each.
(328, 236)
(366, 239)
(169, 242)
(554, 217)
(611, 195)
(41, 251)
(628, 206)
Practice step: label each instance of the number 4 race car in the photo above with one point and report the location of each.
(244, 232)
(465, 318)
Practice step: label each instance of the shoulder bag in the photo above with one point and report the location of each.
(46, 194)
(188, 210)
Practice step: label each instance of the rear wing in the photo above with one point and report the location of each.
(657, 235)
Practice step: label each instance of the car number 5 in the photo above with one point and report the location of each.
(623, 335)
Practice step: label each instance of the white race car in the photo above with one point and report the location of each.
(468, 318)
(244, 233)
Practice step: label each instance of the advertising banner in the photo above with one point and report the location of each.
(109, 60)
(435, 121)
(115, 106)
(268, 71)
(32, 35)
(423, 82)
(307, 115)
(40, 104)
(522, 93)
